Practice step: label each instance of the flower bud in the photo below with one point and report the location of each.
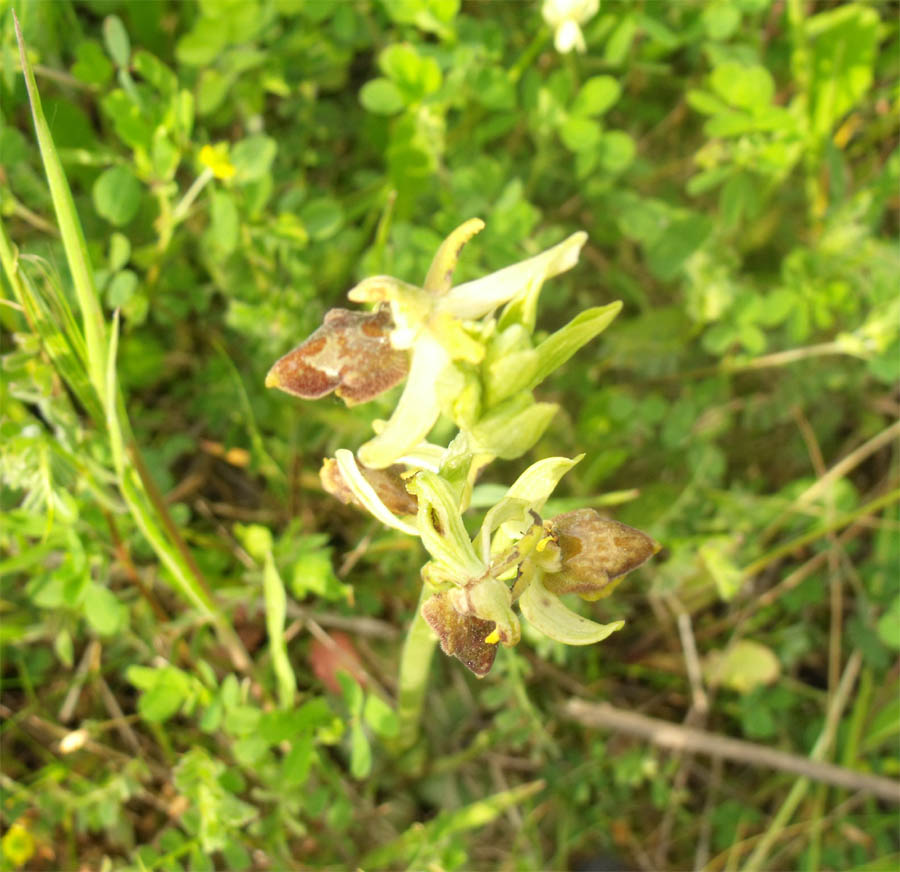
(595, 551)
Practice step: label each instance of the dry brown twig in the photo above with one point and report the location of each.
(676, 737)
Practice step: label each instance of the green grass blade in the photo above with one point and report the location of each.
(70, 229)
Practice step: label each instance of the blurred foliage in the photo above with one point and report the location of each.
(236, 166)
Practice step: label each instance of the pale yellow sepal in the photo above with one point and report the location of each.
(545, 612)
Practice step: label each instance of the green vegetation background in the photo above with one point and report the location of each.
(735, 164)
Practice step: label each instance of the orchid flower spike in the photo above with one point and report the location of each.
(419, 334)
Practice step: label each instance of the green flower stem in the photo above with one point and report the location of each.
(415, 662)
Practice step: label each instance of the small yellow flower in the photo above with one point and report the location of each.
(17, 845)
(215, 158)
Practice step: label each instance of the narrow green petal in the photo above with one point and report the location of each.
(440, 274)
(416, 411)
(546, 612)
(474, 299)
(512, 428)
(442, 530)
(556, 349)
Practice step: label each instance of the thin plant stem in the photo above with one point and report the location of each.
(843, 521)
(415, 661)
(179, 213)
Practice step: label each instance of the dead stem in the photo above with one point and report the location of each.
(669, 735)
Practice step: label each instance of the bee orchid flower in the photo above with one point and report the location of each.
(420, 334)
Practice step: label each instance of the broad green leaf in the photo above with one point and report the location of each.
(130, 124)
(298, 761)
(117, 195)
(313, 573)
(545, 612)
(706, 103)
(513, 427)
(414, 75)
(380, 717)
(121, 288)
(747, 87)
(117, 42)
(667, 255)
(620, 40)
(169, 691)
(212, 89)
(243, 720)
(381, 97)
(153, 71)
(252, 157)
(119, 251)
(237, 857)
(200, 46)
(596, 96)
(742, 666)
(92, 66)
(103, 611)
(224, 224)
(616, 151)
(256, 539)
(429, 15)
(494, 90)
(721, 19)
(579, 133)
(352, 692)
(322, 217)
(843, 44)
